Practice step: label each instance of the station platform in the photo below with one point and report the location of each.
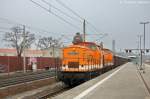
(124, 82)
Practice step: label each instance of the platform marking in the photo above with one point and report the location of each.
(147, 65)
(84, 93)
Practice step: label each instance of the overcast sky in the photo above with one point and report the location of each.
(118, 18)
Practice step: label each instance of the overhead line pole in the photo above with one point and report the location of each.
(24, 57)
(84, 31)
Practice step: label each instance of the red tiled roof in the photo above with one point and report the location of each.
(7, 50)
(4, 50)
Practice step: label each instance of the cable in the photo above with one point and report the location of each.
(61, 11)
(3, 31)
(104, 35)
(94, 28)
(65, 6)
(4, 28)
(55, 14)
(70, 9)
(33, 28)
(9, 21)
(29, 27)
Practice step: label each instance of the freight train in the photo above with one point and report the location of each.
(85, 60)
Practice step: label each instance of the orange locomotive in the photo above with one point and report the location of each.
(83, 61)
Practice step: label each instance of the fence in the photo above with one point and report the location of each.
(14, 63)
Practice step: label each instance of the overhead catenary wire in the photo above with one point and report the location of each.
(60, 2)
(92, 26)
(69, 15)
(4, 30)
(10, 21)
(65, 6)
(21, 24)
(46, 9)
(101, 37)
(27, 26)
(61, 11)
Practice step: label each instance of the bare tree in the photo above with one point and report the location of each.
(19, 39)
(47, 42)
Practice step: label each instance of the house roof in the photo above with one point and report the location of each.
(5, 50)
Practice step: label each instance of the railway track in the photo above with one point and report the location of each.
(60, 88)
(49, 92)
(26, 78)
(19, 74)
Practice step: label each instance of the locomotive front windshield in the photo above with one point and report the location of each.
(92, 47)
(89, 45)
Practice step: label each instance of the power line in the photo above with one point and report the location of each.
(65, 6)
(101, 37)
(3, 31)
(4, 28)
(55, 14)
(60, 2)
(27, 26)
(92, 26)
(10, 21)
(61, 11)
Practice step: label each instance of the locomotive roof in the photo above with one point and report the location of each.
(86, 43)
(81, 44)
(93, 44)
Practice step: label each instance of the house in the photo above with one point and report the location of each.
(51, 52)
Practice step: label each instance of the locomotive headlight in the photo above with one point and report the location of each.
(82, 67)
(64, 66)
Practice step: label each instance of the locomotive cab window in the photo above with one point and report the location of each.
(92, 47)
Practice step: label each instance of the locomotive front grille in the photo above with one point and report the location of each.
(73, 64)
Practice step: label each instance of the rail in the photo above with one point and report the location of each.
(25, 78)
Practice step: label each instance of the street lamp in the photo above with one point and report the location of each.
(144, 23)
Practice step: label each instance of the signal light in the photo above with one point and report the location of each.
(147, 50)
(126, 51)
